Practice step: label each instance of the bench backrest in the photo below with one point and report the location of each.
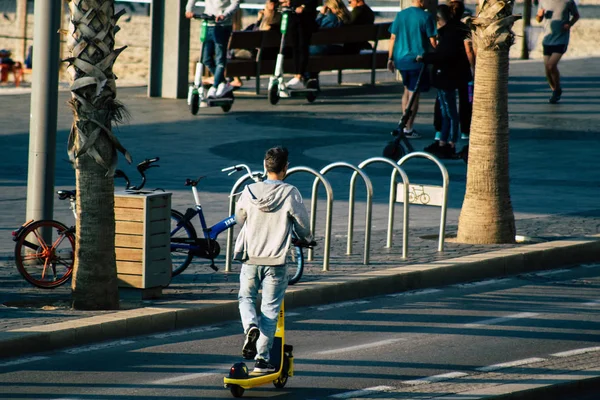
(383, 32)
(248, 40)
(345, 34)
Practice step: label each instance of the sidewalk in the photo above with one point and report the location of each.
(554, 193)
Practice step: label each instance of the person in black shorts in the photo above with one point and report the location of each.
(558, 16)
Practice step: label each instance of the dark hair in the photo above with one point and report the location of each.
(443, 11)
(276, 159)
(457, 9)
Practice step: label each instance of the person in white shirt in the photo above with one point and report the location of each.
(214, 53)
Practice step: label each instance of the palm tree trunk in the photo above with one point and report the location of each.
(487, 216)
(92, 146)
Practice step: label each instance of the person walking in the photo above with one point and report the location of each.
(412, 34)
(268, 212)
(558, 16)
(302, 25)
(449, 60)
(214, 53)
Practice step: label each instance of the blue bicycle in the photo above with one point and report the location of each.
(186, 245)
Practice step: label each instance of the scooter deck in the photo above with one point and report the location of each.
(300, 92)
(219, 101)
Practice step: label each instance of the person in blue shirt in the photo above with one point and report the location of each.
(413, 33)
(334, 14)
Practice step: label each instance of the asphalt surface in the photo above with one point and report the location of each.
(554, 191)
(403, 342)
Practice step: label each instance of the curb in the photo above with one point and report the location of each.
(551, 391)
(121, 324)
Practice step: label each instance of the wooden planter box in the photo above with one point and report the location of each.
(142, 239)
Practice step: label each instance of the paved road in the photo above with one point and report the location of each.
(399, 341)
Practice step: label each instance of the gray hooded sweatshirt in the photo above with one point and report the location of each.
(268, 212)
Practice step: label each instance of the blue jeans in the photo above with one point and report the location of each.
(214, 51)
(450, 119)
(274, 282)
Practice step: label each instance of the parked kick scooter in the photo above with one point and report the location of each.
(240, 379)
(197, 91)
(277, 88)
(397, 148)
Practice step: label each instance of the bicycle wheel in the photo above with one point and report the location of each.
(295, 259)
(180, 258)
(45, 253)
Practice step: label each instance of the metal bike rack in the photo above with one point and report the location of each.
(369, 187)
(313, 212)
(434, 191)
(232, 195)
(397, 170)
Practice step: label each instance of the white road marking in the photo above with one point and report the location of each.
(414, 293)
(502, 319)
(591, 265)
(184, 332)
(22, 361)
(511, 364)
(592, 303)
(360, 347)
(360, 393)
(343, 304)
(100, 346)
(436, 378)
(576, 352)
(481, 283)
(553, 272)
(292, 314)
(187, 377)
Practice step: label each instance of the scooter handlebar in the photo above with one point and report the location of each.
(210, 18)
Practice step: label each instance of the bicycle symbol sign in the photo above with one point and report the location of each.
(421, 194)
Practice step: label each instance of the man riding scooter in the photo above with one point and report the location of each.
(214, 54)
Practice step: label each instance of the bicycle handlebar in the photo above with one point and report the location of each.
(141, 167)
(256, 176)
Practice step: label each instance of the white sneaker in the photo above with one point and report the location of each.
(212, 93)
(223, 89)
(294, 83)
(284, 93)
(203, 104)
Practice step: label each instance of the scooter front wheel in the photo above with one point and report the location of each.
(236, 391)
(280, 382)
(274, 94)
(195, 103)
(312, 95)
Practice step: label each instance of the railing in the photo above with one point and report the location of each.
(433, 192)
(392, 202)
(313, 212)
(369, 187)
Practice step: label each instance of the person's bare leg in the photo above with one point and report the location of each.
(553, 69)
(549, 77)
(414, 109)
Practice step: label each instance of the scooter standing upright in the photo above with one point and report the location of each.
(240, 379)
(277, 88)
(197, 92)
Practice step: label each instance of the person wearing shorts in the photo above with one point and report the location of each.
(558, 17)
(412, 34)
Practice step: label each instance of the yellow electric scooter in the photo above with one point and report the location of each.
(282, 359)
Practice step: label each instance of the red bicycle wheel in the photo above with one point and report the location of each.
(45, 253)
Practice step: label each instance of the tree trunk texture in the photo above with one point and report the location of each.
(487, 216)
(92, 147)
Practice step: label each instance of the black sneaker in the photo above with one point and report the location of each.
(249, 349)
(555, 96)
(263, 367)
(433, 148)
(412, 134)
(448, 152)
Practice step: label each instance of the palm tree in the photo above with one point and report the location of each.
(93, 149)
(487, 215)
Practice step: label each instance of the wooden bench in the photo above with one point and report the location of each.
(259, 43)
